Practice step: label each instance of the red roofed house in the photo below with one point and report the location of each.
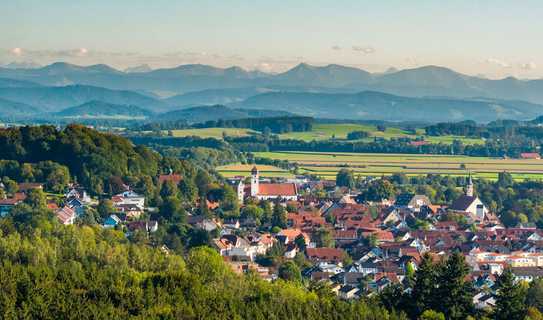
(530, 155)
(65, 215)
(175, 178)
(331, 255)
(267, 191)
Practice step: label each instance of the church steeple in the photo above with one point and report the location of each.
(254, 181)
(469, 187)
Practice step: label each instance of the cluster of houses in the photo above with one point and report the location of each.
(377, 244)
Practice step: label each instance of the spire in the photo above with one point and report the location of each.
(254, 171)
(469, 188)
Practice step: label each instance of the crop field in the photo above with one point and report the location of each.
(212, 132)
(322, 131)
(235, 170)
(327, 165)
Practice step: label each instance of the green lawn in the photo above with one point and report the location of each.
(323, 131)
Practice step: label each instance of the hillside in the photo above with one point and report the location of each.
(15, 109)
(101, 110)
(216, 112)
(54, 99)
(381, 106)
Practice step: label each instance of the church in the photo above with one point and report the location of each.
(469, 203)
(266, 191)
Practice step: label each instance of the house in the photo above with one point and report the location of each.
(287, 236)
(331, 255)
(530, 155)
(202, 222)
(527, 273)
(130, 210)
(175, 178)
(112, 221)
(233, 246)
(77, 193)
(412, 201)
(27, 186)
(7, 204)
(348, 292)
(468, 203)
(268, 191)
(129, 197)
(145, 226)
(66, 215)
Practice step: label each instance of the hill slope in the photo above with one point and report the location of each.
(381, 106)
(55, 99)
(216, 112)
(99, 109)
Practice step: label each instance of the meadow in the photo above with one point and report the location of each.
(326, 165)
(325, 131)
(217, 133)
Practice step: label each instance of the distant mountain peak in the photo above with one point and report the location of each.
(138, 69)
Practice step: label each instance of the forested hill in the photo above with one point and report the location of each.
(50, 271)
(92, 157)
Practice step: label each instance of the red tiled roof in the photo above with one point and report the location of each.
(530, 155)
(326, 254)
(277, 189)
(175, 178)
(418, 143)
(65, 214)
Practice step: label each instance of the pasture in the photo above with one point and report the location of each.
(326, 165)
(216, 133)
(325, 131)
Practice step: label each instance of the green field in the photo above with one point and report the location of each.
(323, 131)
(236, 170)
(212, 132)
(327, 165)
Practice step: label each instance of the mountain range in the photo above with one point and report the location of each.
(428, 93)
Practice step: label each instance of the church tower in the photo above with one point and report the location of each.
(254, 181)
(469, 187)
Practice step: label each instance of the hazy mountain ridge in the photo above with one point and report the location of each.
(100, 109)
(54, 99)
(422, 81)
(382, 106)
(216, 112)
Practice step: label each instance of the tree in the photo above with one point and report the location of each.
(252, 212)
(279, 216)
(105, 208)
(424, 292)
(505, 179)
(168, 189)
(432, 315)
(345, 178)
(324, 238)
(510, 298)
(171, 210)
(454, 293)
(36, 199)
(534, 296)
(290, 271)
(379, 190)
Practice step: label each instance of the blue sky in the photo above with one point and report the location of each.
(495, 38)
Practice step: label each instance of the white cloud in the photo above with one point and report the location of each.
(336, 48)
(498, 62)
(364, 49)
(528, 66)
(17, 51)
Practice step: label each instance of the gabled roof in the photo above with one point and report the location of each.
(462, 203)
(65, 214)
(277, 189)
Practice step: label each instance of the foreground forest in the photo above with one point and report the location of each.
(50, 271)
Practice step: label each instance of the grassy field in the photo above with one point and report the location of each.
(212, 132)
(327, 165)
(235, 170)
(322, 131)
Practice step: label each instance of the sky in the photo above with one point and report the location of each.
(494, 38)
